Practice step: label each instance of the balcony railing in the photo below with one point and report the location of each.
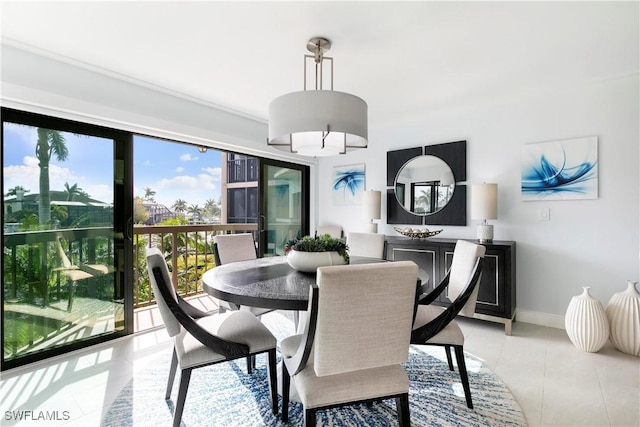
(188, 248)
(45, 271)
(189, 251)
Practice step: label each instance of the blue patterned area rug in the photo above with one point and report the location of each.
(224, 395)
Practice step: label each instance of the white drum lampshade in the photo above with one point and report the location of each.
(484, 206)
(371, 202)
(318, 122)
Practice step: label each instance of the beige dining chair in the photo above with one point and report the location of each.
(435, 325)
(228, 248)
(201, 340)
(356, 336)
(370, 245)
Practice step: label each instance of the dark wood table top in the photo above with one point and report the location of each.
(264, 282)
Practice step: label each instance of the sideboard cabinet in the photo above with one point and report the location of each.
(497, 289)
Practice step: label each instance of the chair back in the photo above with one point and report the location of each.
(334, 231)
(155, 259)
(465, 255)
(64, 259)
(364, 316)
(369, 245)
(234, 247)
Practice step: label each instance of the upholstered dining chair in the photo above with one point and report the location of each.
(228, 248)
(434, 325)
(200, 339)
(334, 231)
(356, 336)
(369, 245)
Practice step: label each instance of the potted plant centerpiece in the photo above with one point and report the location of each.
(309, 253)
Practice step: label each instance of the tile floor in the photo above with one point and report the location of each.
(555, 383)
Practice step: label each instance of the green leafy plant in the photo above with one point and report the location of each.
(324, 243)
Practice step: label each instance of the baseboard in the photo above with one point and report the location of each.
(541, 319)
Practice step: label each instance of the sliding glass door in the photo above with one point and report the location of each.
(284, 214)
(64, 263)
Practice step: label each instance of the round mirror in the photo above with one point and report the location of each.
(424, 185)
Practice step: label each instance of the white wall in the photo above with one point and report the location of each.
(586, 243)
(592, 242)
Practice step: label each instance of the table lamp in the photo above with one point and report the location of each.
(484, 206)
(371, 208)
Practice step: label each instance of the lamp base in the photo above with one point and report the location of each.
(372, 227)
(485, 233)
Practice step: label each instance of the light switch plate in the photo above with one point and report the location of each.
(545, 214)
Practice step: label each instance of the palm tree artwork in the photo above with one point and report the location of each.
(50, 142)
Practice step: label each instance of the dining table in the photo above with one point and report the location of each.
(268, 282)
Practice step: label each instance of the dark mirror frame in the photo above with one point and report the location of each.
(454, 154)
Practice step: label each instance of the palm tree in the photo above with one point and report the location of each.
(148, 194)
(179, 206)
(14, 191)
(195, 212)
(211, 208)
(72, 191)
(50, 142)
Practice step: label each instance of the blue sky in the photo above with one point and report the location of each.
(173, 170)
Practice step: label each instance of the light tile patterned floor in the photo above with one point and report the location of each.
(555, 383)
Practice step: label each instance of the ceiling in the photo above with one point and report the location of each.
(402, 58)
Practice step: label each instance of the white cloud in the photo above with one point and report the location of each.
(28, 175)
(188, 157)
(195, 189)
(216, 173)
(179, 169)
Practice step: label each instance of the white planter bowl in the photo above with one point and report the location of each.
(308, 262)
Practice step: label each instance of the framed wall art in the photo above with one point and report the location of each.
(347, 184)
(560, 170)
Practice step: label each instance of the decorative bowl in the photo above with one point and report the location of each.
(415, 233)
(308, 262)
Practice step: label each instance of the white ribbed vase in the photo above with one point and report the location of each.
(586, 322)
(623, 312)
(309, 262)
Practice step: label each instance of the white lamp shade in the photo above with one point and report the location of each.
(371, 204)
(298, 122)
(484, 201)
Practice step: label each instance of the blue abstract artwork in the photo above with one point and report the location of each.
(348, 184)
(560, 170)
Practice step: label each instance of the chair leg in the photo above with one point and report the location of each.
(172, 374)
(402, 407)
(462, 367)
(273, 379)
(286, 384)
(447, 349)
(310, 417)
(251, 363)
(185, 376)
(72, 291)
